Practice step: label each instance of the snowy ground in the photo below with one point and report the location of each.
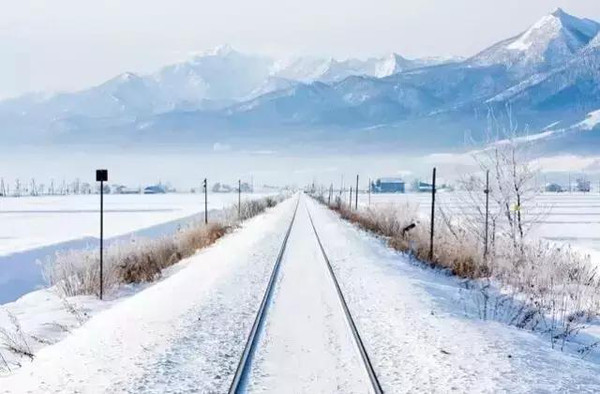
(183, 334)
(186, 333)
(420, 338)
(35, 228)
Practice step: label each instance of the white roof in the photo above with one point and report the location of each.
(391, 180)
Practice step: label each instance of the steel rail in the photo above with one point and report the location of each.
(358, 340)
(238, 381)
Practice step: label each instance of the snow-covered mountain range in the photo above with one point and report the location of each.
(548, 74)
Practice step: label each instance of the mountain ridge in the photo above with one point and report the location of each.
(556, 64)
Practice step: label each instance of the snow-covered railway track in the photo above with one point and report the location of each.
(357, 338)
(244, 364)
(311, 315)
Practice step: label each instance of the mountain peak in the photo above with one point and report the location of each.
(558, 12)
(549, 42)
(220, 51)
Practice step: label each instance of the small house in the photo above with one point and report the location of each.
(155, 189)
(388, 185)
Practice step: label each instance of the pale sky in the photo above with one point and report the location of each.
(55, 45)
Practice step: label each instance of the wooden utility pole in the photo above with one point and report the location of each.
(205, 202)
(432, 216)
(487, 211)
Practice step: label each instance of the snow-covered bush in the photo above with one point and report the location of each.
(77, 272)
(251, 208)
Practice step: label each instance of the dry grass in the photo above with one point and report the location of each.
(142, 260)
(14, 339)
(453, 249)
(541, 287)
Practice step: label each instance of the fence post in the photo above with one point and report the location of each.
(205, 202)
(487, 211)
(432, 216)
(330, 193)
(356, 196)
(369, 191)
(239, 199)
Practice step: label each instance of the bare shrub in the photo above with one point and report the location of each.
(4, 363)
(14, 339)
(77, 272)
(251, 208)
(198, 237)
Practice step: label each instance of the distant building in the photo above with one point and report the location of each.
(121, 189)
(423, 187)
(155, 189)
(246, 188)
(583, 185)
(553, 188)
(388, 185)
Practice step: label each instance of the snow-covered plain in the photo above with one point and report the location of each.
(413, 320)
(33, 229)
(32, 222)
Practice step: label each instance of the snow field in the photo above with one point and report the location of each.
(183, 334)
(33, 222)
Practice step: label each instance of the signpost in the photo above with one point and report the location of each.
(101, 176)
(205, 202)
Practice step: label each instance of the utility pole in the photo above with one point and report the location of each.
(350, 202)
(432, 216)
(487, 211)
(101, 176)
(205, 202)
(356, 197)
(330, 194)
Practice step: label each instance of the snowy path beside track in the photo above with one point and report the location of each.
(418, 337)
(306, 345)
(184, 334)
